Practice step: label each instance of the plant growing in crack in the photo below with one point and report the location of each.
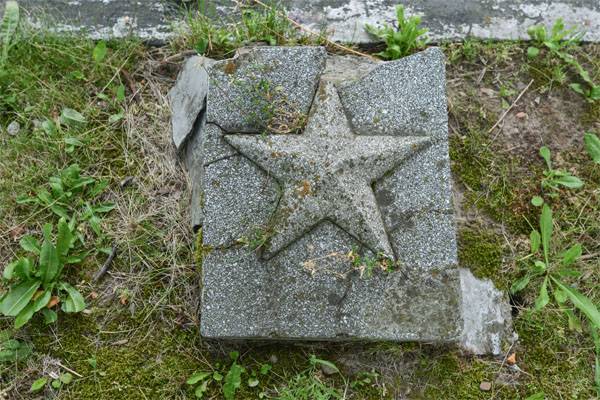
(365, 265)
(257, 239)
(401, 40)
(266, 106)
(273, 111)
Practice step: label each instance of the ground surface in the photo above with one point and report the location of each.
(494, 19)
(138, 336)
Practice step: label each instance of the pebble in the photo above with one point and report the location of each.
(485, 386)
(327, 370)
(13, 128)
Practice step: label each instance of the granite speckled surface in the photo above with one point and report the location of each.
(347, 182)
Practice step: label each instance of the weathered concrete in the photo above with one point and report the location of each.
(367, 175)
(356, 179)
(344, 19)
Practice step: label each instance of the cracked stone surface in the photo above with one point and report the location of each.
(282, 212)
(243, 86)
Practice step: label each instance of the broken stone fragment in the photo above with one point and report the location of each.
(188, 98)
(486, 315)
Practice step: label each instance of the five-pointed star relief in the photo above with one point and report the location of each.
(326, 173)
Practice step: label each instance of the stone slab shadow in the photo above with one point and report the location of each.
(292, 218)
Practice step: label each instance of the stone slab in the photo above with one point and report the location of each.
(344, 19)
(337, 188)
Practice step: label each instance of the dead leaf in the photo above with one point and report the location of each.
(512, 359)
(16, 232)
(54, 300)
(120, 342)
(521, 115)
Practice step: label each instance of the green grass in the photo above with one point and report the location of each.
(141, 324)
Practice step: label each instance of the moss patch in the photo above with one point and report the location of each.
(480, 250)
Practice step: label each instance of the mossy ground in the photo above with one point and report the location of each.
(141, 323)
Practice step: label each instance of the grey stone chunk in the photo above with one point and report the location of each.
(417, 106)
(486, 315)
(311, 291)
(327, 172)
(234, 301)
(204, 146)
(193, 157)
(188, 97)
(13, 128)
(243, 87)
(239, 199)
(342, 184)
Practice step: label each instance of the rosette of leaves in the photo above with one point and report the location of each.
(71, 194)
(401, 40)
(552, 268)
(36, 280)
(553, 178)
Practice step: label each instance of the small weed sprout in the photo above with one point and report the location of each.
(400, 40)
(257, 239)
(366, 265)
(553, 178)
(309, 384)
(229, 380)
(559, 41)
